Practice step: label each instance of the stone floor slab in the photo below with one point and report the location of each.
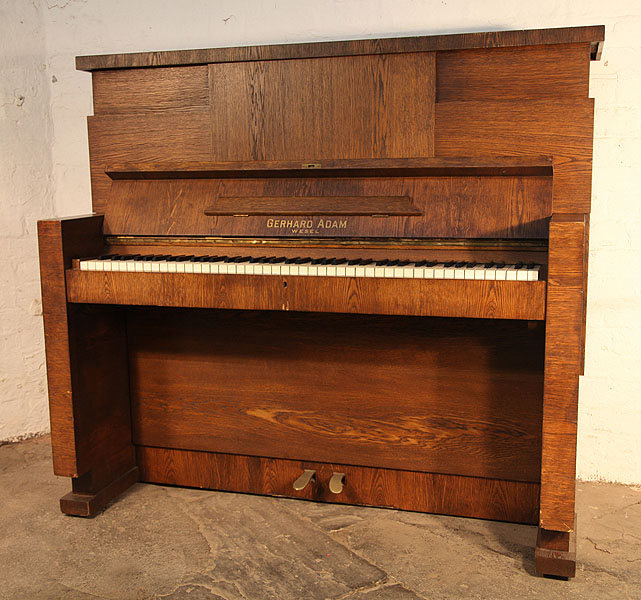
(164, 542)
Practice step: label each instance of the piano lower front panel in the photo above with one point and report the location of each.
(477, 497)
(448, 396)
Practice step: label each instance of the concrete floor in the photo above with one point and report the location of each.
(162, 542)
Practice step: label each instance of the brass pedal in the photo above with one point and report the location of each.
(336, 483)
(303, 481)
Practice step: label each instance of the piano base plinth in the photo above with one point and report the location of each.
(438, 493)
(555, 554)
(81, 504)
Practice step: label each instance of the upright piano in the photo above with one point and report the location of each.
(347, 272)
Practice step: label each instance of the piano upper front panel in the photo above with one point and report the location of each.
(372, 106)
(526, 73)
(149, 137)
(562, 129)
(455, 207)
(150, 90)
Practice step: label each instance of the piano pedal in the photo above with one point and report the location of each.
(336, 483)
(308, 476)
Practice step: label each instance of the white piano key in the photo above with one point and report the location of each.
(468, 272)
(321, 270)
(331, 271)
(350, 271)
(479, 272)
(490, 274)
(439, 271)
(533, 273)
(521, 274)
(501, 273)
(511, 273)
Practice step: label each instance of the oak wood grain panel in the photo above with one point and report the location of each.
(496, 39)
(150, 90)
(515, 128)
(59, 240)
(173, 135)
(564, 335)
(490, 300)
(100, 388)
(444, 298)
(298, 386)
(562, 129)
(527, 73)
(313, 206)
(456, 207)
(308, 110)
(427, 492)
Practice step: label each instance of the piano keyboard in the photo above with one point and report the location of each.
(314, 267)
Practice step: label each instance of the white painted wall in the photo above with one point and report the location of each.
(26, 194)
(44, 158)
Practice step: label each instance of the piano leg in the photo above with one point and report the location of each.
(89, 497)
(555, 554)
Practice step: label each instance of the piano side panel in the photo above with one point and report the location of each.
(454, 207)
(371, 106)
(565, 320)
(432, 395)
(477, 497)
(86, 366)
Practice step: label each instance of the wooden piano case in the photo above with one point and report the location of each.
(449, 396)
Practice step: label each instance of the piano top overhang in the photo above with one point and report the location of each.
(594, 34)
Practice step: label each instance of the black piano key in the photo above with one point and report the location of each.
(382, 263)
(354, 261)
(302, 261)
(459, 265)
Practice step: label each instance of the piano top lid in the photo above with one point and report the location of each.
(594, 34)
